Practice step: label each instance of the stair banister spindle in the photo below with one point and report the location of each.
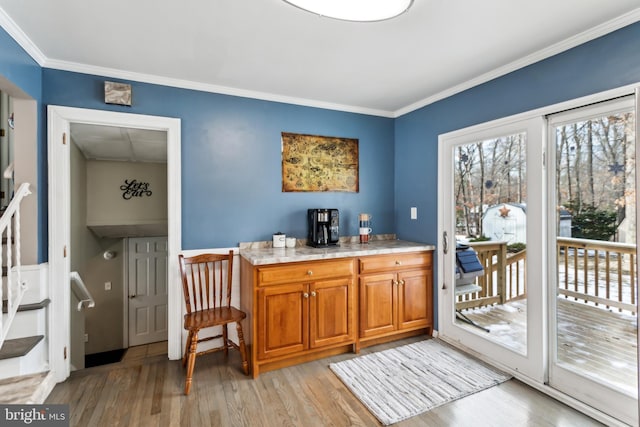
(2, 297)
(18, 251)
(10, 223)
(9, 264)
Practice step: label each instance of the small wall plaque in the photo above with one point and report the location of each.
(117, 93)
(132, 188)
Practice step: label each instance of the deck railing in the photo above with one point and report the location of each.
(13, 288)
(503, 279)
(598, 272)
(595, 272)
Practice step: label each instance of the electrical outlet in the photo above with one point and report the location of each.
(107, 286)
(414, 213)
(86, 337)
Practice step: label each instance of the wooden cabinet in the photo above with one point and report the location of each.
(395, 294)
(299, 317)
(300, 311)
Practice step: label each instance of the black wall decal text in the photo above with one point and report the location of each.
(133, 188)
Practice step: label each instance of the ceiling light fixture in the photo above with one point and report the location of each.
(354, 10)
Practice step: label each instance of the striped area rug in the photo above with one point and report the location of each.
(402, 382)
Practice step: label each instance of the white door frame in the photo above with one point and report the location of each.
(530, 364)
(59, 120)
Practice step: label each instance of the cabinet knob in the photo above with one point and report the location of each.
(309, 273)
(402, 282)
(398, 262)
(313, 293)
(306, 295)
(395, 282)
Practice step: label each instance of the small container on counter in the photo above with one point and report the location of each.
(279, 240)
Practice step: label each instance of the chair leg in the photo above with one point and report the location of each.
(243, 348)
(225, 340)
(191, 362)
(186, 349)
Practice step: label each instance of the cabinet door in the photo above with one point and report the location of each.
(283, 313)
(414, 299)
(378, 306)
(331, 314)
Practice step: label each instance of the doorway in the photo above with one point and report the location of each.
(59, 122)
(118, 193)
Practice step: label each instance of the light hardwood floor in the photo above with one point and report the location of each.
(146, 389)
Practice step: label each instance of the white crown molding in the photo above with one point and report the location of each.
(205, 87)
(21, 38)
(591, 34)
(25, 42)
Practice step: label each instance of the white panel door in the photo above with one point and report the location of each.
(147, 290)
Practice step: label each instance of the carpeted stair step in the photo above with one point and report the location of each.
(27, 307)
(19, 347)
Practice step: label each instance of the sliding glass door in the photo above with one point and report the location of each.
(492, 207)
(593, 264)
(538, 267)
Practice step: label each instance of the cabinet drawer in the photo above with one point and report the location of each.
(395, 262)
(305, 271)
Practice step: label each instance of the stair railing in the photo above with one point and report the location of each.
(14, 287)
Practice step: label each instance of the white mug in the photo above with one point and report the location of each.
(279, 240)
(365, 230)
(290, 242)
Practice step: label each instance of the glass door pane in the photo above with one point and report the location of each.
(490, 184)
(594, 352)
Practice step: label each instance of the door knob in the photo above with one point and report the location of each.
(132, 296)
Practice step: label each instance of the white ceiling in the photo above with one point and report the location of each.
(120, 144)
(269, 49)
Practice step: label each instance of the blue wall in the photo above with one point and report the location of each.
(605, 63)
(231, 159)
(231, 145)
(25, 74)
(19, 68)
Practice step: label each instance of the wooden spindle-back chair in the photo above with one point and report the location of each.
(206, 284)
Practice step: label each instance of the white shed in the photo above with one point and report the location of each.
(506, 222)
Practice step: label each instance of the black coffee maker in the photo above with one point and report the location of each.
(324, 227)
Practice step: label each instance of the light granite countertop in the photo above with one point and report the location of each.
(261, 253)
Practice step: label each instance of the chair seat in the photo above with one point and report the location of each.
(212, 317)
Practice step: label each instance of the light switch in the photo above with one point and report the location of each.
(414, 213)
(107, 286)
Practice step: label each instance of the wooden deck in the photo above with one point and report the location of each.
(593, 341)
